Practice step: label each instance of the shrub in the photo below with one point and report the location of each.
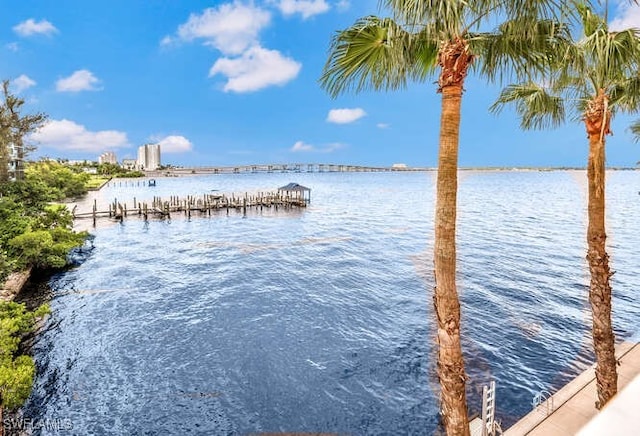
(16, 372)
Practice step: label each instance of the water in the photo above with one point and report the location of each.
(321, 320)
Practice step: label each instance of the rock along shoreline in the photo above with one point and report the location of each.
(14, 284)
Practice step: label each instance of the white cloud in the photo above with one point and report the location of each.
(81, 80)
(628, 15)
(383, 125)
(167, 40)
(301, 146)
(333, 147)
(13, 46)
(257, 68)
(230, 28)
(234, 30)
(343, 5)
(306, 8)
(67, 135)
(175, 144)
(32, 27)
(345, 116)
(23, 82)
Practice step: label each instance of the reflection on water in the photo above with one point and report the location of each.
(321, 321)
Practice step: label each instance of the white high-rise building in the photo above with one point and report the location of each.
(141, 162)
(148, 157)
(107, 157)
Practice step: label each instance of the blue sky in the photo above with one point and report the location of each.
(235, 82)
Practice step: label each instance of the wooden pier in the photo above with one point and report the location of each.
(203, 205)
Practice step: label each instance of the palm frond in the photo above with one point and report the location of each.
(611, 55)
(625, 95)
(520, 49)
(539, 9)
(634, 128)
(424, 45)
(375, 53)
(591, 22)
(536, 107)
(449, 16)
(581, 104)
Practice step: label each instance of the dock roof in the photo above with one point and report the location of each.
(294, 187)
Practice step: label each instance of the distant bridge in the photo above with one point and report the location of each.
(280, 168)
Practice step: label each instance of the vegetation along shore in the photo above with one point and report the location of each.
(36, 234)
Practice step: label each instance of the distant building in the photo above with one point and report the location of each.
(129, 164)
(79, 162)
(399, 166)
(15, 163)
(148, 157)
(108, 157)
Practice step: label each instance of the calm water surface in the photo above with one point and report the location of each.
(321, 320)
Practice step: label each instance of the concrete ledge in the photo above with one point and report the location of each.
(569, 409)
(620, 416)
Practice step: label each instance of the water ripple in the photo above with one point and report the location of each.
(322, 321)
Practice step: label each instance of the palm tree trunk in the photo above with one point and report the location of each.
(599, 289)
(447, 307)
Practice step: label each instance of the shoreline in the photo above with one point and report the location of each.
(254, 169)
(16, 282)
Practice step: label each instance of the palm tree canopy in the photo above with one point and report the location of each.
(386, 53)
(606, 58)
(601, 62)
(454, 18)
(376, 53)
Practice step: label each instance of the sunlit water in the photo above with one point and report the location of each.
(321, 320)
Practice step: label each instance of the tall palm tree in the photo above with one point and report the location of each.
(425, 37)
(597, 77)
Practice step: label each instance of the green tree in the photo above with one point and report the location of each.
(45, 248)
(60, 179)
(5, 265)
(41, 238)
(16, 372)
(54, 216)
(109, 169)
(14, 127)
(32, 195)
(595, 79)
(423, 38)
(13, 221)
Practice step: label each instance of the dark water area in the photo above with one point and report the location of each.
(321, 320)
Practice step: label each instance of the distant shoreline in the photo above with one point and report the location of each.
(249, 169)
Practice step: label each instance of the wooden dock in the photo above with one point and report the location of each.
(572, 407)
(203, 205)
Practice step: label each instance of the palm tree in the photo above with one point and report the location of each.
(14, 127)
(597, 77)
(423, 37)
